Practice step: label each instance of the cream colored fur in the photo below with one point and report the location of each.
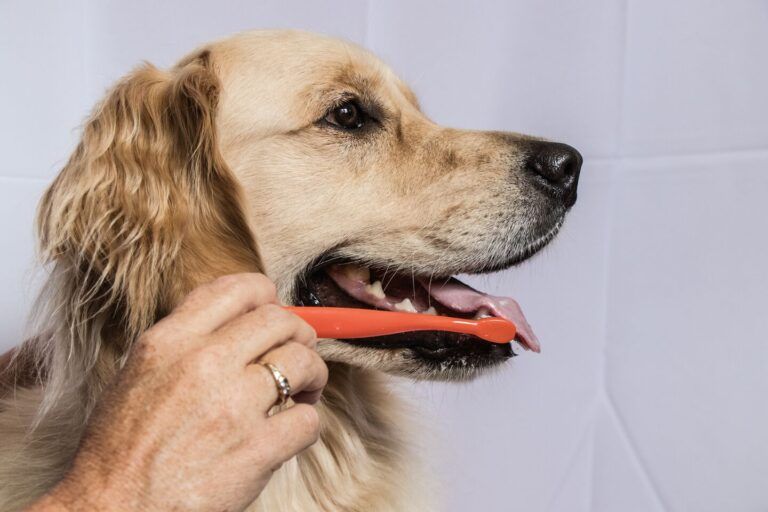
(222, 164)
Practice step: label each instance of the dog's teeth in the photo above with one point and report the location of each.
(406, 305)
(430, 311)
(376, 290)
(358, 273)
(482, 313)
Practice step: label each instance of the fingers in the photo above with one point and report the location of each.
(214, 304)
(293, 431)
(305, 370)
(255, 333)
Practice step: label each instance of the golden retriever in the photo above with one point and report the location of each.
(306, 158)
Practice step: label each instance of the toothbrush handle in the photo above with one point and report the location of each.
(344, 323)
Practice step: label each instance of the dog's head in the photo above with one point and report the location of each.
(312, 150)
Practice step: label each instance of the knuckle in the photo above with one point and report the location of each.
(301, 357)
(323, 369)
(306, 333)
(246, 284)
(146, 340)
(234, 290)
(312, 337)
(150, 342)
(143, 354)
(226, 282)
(230, 289)
(200, 294)
(273, 313)
(265, 284)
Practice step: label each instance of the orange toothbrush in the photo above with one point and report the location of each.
(344, 323)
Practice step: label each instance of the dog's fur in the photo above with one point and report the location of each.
(223, 164)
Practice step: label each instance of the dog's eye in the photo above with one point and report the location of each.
(348, 116)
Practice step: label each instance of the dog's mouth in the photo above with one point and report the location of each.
(351, 284)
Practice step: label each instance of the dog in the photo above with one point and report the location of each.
(306, 158)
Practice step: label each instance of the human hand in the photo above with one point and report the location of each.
(185, 425)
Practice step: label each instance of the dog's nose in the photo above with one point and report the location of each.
(557, 167)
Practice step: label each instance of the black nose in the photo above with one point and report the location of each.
(556, 166)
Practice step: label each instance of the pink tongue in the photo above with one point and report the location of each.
(454, 295)
(458, 296)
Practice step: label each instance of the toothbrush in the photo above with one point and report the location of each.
(342, 323)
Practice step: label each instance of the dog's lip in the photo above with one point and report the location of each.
(422, 295)
(439, 347)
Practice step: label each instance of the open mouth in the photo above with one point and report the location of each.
(351, 284)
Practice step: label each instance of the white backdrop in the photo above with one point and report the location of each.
(651, 391)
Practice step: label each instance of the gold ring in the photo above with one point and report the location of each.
(281, 382)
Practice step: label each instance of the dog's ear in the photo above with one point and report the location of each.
(145, 208)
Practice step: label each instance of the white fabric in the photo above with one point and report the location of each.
(650, 392)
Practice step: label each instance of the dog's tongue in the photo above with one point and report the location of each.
(400, 294)
(460, 297)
